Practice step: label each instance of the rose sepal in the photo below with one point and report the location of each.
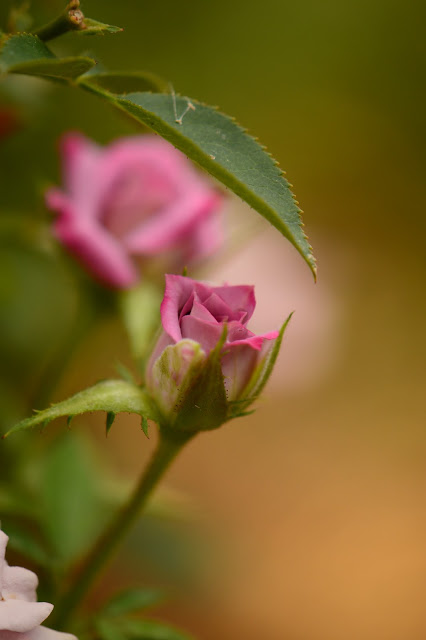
(188, 387)
(238, 408)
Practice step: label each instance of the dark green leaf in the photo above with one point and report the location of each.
(110, 396)
(219, 145)
(132, 600)
(21, 49)
(110, 417)
(25, 542)
(121, 82)
(27, 54)
(95, 28)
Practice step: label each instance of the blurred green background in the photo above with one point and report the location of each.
(317, 501)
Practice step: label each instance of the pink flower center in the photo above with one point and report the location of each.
(134, 198)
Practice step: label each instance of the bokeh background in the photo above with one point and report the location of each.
(307, 520)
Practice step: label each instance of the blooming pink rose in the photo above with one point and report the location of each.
(193, 316)
(137, 197)
(20, 613)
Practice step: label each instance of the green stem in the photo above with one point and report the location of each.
(168, 447)
(71, 19)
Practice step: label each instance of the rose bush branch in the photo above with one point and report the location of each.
(206, 368)
(211, 139)
(169, 445)
(71, 19)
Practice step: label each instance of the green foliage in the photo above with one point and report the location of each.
(121, 82)
(27, 54)
(207, 136)
(140, 307)
(112, 396)
(129, 629)
(72, 510)
(219, 145)
(131, 600)
(204, 405)
(95, 28)
(24, 541)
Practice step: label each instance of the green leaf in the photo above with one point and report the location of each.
(219, 145)
(151, 630)
(108, 630)
(95, 28)
(121, 82)
(132, 600)
(110, 396)
(27, 54)
(72, 508)
(25, 543)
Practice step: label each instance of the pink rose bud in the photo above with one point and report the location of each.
(137, 197)
(207, 366)
(20, 613)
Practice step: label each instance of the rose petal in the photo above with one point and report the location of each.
(178, 290)
(162, 231)
(217, 307)
(43, 633)
(238, 298)
(238, 363)
(3, 544)
(19, 584)
(97, 249)
(39, 633)
(18, 615)
(200, 312)
(207, 334)
(81, 159)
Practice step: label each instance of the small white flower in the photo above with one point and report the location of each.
(20, 613)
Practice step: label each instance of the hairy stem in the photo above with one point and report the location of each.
(168, 447)
(71, 19)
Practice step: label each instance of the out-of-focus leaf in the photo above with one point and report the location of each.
(95, 28)
(27, 54)
(151, 630)
(121, 82)
(132, 600)
(13, 503)
(72, 509)
(141, 313)
(108, 630)
(219, 145)
(112, 396)
(23, 541)
(20, 18)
